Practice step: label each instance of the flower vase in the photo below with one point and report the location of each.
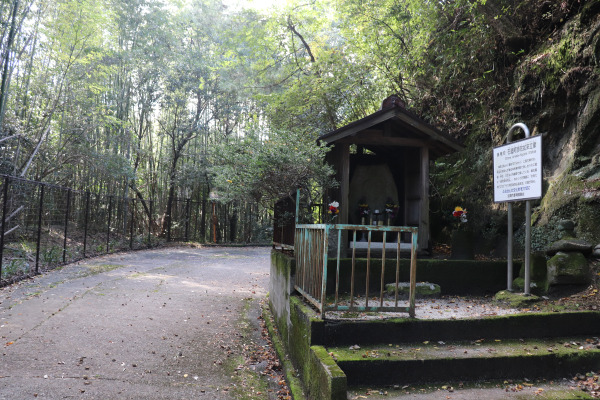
(462, 245)
(363, 238)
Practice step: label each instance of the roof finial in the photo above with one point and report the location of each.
(393, 101)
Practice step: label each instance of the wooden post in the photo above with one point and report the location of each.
(85, 221)
(187, 219)
(108, 224)
(131, 222)
(214, 222)
(424, 218)
(344, 182)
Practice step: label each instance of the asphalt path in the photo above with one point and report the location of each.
(170, 323)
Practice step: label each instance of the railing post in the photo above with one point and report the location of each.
(85, 221)
(4, 210)
(64, 258)
(311, 246)
(324, 277)
(382, 286)
(39, 233)
(108, 224)
(413, 274)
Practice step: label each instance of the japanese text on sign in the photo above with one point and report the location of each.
(518, 170)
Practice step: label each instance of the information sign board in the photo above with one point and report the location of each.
(518, 170)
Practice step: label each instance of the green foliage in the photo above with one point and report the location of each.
(51, 255)
(162, 98)
(15, 266)
(268, 168)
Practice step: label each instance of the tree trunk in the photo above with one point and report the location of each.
(5, 61)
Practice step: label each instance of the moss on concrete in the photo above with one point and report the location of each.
(489, 348)
(494, 389)
(531, 325)
(490, 360)
(516, 300)
(282, 270)
(327, 380)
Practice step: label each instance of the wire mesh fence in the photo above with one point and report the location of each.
(44, 226)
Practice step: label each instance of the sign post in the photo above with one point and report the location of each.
(518, 177)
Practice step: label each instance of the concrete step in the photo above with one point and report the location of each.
(481, 359)
(342, 333)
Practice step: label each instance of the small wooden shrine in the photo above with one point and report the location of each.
(383, 159)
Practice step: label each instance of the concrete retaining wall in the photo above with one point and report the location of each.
(303, 334)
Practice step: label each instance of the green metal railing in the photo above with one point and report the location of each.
(311, 248)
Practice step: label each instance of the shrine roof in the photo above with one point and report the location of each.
(394, 125)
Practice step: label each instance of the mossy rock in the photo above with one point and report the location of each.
(538, 267)
(568, 269)
(535, 287)
(538, 273)
(516, 300)
(422, 290)
(570, 245)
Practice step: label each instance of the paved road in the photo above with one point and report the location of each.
(171, 323)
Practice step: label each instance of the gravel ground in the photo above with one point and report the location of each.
(446, 307)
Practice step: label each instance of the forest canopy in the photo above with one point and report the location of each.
(175, 98)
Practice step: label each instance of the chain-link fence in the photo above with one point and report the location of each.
(44, 225)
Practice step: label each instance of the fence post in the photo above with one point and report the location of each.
(132, 221)
(85, 221)
(66, 225)
(187, 219)
(150, 223)
(170, 219)
(108, 224)
(39, 237)
(4, 207)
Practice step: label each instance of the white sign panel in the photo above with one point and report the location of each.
(518, 170)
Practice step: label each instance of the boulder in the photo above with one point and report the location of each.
(569, 245)
(538, 269)
(422, 290)
(566, 227)
(568, 269)
(538, 274)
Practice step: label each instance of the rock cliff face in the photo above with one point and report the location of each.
(551, 83)
(568, 118)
